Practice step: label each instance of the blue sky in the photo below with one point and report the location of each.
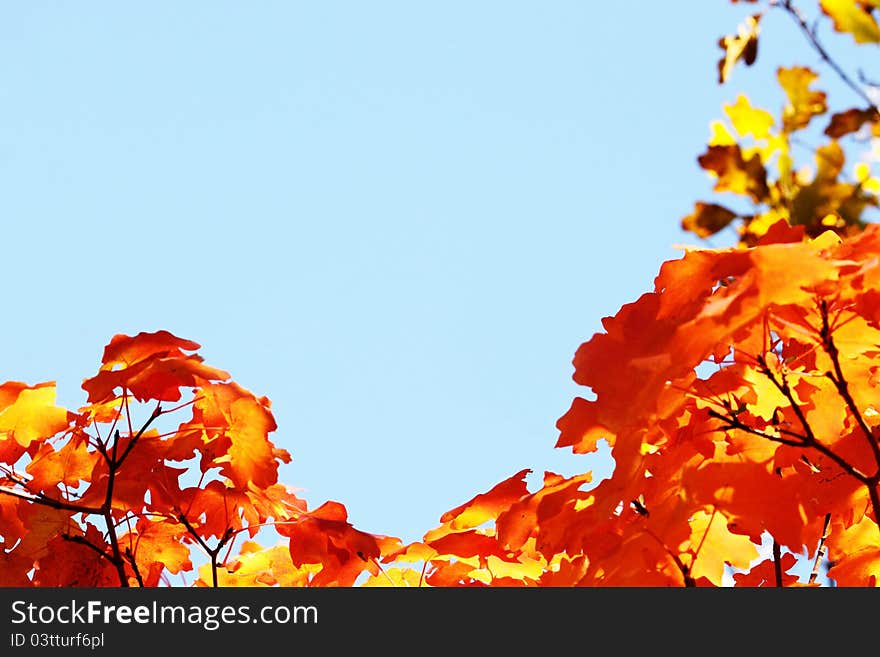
(396, 220)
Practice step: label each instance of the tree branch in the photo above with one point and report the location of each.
(107, 511)
(131, 443)
(840, 382)
(40, 498)
(732, 422)
(81, 540)
(811, 440)
(820, 550)
(212, 552)
(810, 34)
(129, 556)
(777, 563)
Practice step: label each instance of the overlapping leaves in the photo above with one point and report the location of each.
(108, 496)
(739, 400)
(754, 157)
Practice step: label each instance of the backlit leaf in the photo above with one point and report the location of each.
(150, 366)
(487, 506)
(256, 565)
(764, 573)
(742, 46)
(33, 416)
(68, 466)
(714, 545)
(734, 173)
(748, 120)
(156, 546)
(851, 17)
(803, 104)
(324, 536)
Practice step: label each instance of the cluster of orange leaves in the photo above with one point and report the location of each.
(738, 398)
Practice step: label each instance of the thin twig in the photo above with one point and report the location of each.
(812, 441)
(810, 33)
(129, 555)
(731, 422)
(39, 498)
(131, 443)
(82, 540)
(107, 512)
(842, 385)
(212, 552)
(687, 580)
(777, 563)
(820, 550)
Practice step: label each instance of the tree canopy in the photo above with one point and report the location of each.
(738, 396)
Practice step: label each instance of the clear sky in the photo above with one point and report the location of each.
(396, 220)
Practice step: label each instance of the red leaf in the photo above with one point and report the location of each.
(324, 536)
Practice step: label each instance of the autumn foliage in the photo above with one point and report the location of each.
(104, 496)
(752, 153)
(740, 398)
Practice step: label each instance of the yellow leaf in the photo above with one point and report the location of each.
(525, 568)
(259, 566)
(820, 403)
(720, 135)
(400, 577)
(748, 120)
(33, 416)
(826, 240)
(803, 104)
(740, 46)
(776, 143)
(761, 223)
(850, 17)
(769, 398)
(862, 173)
(832, 221)
(735, 173)
(713, 545)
